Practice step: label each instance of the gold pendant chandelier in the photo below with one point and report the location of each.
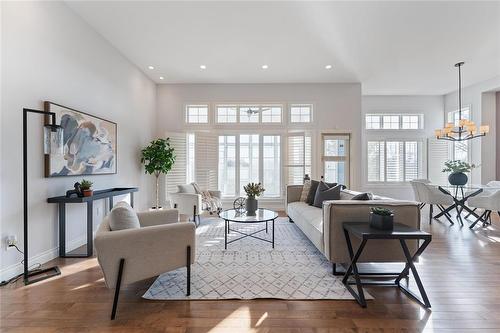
(466, 129)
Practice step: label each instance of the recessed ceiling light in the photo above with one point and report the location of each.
(203, 67)
(328, 66)
(161, 78)
(151, 67)
(265, 66)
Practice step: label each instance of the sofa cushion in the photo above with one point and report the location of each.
(188, 188)
(122, 217)
(309, 219)
(312, 192)
(305, 190)
(363, 196)
(325, 192)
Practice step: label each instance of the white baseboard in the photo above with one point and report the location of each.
(16, 269)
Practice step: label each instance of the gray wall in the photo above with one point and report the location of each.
(49, 53)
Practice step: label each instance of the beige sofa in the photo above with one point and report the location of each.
(323, 226)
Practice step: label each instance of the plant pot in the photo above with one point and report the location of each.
(87, 193)
(251, 206)
(382, 222)
(458, 178)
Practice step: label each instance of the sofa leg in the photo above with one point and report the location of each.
(290, 219)
(430, 213)
(188, 271)
(117, 289)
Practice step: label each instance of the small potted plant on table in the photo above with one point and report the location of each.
(458, 169)
(86, 186)
(253, 190)
(381, 218)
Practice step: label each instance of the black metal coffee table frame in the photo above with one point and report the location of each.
(459, 204)
(401, 233)
(228, 230)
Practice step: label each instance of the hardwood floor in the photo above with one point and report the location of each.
(460, 271)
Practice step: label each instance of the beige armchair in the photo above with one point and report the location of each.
(161, 244)
(190, 201)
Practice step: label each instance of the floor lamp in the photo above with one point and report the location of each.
(53, 145)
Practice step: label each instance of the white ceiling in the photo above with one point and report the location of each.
(390, 47)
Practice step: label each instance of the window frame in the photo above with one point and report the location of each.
(421, 144)
(197, 105)
(259, 106)
(311, 113)
(400, 115)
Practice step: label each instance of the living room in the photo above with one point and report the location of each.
(150, 149)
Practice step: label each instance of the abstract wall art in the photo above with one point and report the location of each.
(89, 144)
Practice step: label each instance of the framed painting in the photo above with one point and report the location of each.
(90, 144)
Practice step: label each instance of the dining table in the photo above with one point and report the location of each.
(460, 194)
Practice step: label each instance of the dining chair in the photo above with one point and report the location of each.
(430, 194)
(489, 201)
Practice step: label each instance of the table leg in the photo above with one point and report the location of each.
(225, 234)
(62, 229)
(110, 203)
(90, 227)
(266, 227)
(421, 289)
(132, 199)
(273, 232)
(420, 250)
(360, 296)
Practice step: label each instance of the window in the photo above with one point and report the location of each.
(336, 158)
(226, 114)
(271, 114)
(393, 121)
(190, 163)
(394, 161)
(249, 114)
(249, 158)
(300, 113)
(271, 160)
(298, 158)
(197, 114)
(227, 165)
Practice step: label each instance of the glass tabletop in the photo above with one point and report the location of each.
(261, 215)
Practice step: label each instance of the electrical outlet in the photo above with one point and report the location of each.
(11, 240)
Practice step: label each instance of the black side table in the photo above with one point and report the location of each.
(400, 232)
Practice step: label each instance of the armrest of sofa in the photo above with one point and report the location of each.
(157, 217)
(216, 194)
(148, 251)
(185, 202)
(293, 193)
(336, 212)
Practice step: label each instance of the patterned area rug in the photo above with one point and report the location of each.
(251, 269)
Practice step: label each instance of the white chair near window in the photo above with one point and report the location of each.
(417, 193)
(431, 195)
(191, 200)
(488, 201)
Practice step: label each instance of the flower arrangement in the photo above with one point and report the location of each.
(457, 166)
(254, 190)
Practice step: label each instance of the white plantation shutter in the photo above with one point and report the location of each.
(413, 160)
(438, 153)
(376, 161)
(394, 161)
(206, 161)
(177, 176)
(298, 161)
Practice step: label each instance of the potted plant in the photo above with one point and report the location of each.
(458, 168)
(158, 158)
(86, 186)
(381, 218)
(253, 190)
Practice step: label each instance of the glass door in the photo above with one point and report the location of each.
(335, 158)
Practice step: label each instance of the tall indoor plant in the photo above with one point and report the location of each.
(158, 158)
(458, 169)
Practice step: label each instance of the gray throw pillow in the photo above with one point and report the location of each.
(312, 192)
(324, 192)
(363, 196)
(122, 217)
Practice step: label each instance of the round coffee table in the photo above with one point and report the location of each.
(262, 216)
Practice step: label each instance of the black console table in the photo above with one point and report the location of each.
(100, 194)
(401, 232)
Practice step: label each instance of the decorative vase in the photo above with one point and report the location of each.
(251, 206)
(382, 222)
(458, 178)
(88, 193)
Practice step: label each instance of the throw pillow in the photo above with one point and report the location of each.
(122, 217)
(324, 192)
(197, 188)
(305, 190)
(312, 192)
(188, 188)
(363, 196)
